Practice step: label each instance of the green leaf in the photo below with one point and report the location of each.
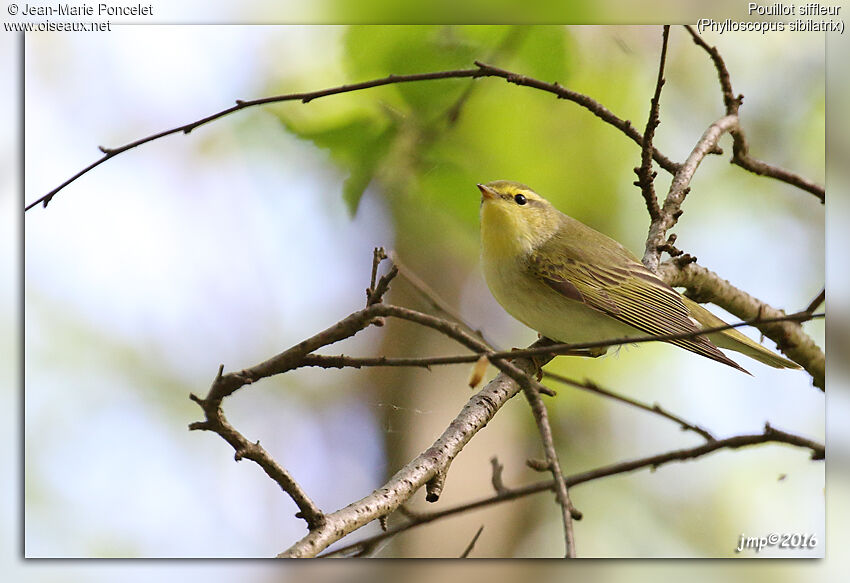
(543, 53)
(379, 51)
(356, 143)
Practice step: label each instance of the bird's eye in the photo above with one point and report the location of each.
(520, 199)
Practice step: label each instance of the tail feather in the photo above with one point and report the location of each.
(732, 339)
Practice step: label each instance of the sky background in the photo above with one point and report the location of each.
(145, 275)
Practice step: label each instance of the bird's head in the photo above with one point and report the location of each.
(514, 219)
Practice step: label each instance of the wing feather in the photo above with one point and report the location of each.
(628, 292)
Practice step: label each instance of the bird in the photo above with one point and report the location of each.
(573, 284)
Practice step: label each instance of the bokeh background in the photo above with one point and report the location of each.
(250, 234)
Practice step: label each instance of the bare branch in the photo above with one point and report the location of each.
(703, 285)
(551, 349)
(109, 153)
(815, 303)
(378, 255)
(433, 298)
(679, 188)
(730, 100)
(769, 435)
(591, 105)
(477, 412)
(645, 173)
(740, 148)
(541, 417)
(654, 408)
(481, 70)
(216, 422)
(496, 478)
(471, 544)
(544, 348)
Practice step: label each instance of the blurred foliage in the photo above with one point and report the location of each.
(486, 11)
(421, 147)
(423, 141)
(416, 150)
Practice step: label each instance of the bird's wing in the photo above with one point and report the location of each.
(621, 288)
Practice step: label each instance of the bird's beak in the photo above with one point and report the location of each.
(486, 192)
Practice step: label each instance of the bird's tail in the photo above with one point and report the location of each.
(732, 339)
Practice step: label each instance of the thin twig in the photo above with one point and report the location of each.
(544, 348)
(304, 97)
(644, 172)
(215, 421)
(815, 303)
(740, 147)
(433, 298)
(471, 544)
(541, 417)
(496, 477)
(769, 435)
(509, 41)
(731, 101)
(591, 105)
(654, 408)
(556, 349)
(378, 255)
(481, 70)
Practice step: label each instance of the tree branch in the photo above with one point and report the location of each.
(816, 302)
(704, 285)
(671, 211)
(439, 457)
(481, 70)
(543, 348)
(477, 412)
(769, 435)
(591, 105)
(740, 148)
(645, 173)
(541, 417)
(216, 422)
(654, 408)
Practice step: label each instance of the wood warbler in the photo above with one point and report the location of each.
(573, 284)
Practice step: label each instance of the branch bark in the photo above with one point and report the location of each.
(477, 412)
(769, 435)
(740, 148)
(672, 209)
(703, 285)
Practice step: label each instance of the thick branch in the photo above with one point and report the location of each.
(704, 285)
(478, 411)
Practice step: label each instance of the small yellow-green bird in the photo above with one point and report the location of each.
(573, 284)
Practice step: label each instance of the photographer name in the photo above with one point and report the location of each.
(101, 9)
